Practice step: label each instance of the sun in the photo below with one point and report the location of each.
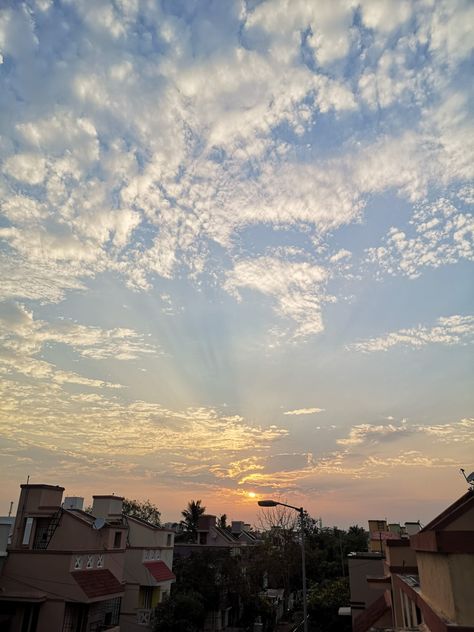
(251, 494)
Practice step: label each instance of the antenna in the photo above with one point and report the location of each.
(11, 509)
(98, 523)
(469, 479)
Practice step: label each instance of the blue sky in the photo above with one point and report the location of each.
(236, 251)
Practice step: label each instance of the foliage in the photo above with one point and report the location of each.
(144, 510)
(191, 516)
(222, 522)
(182, 612)
(324, 601)
(327, 549)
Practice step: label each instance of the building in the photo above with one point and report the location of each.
(360, 565)
(67, 570)
(148, 574)
(62, 571)
(428, 576)
(216, 544)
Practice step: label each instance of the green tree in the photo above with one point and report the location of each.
(191, 516)
(182, 612)
(142, 509)
(324, 601)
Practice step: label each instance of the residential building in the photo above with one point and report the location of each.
(360, 565)
(71, 571)
(210, 535)
(428, 576)
(64, 571)
(148, 574)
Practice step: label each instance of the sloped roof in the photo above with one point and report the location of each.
(98, 583)
(160, 571)
(374, 612)
(451, 513)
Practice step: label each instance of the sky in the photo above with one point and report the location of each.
(236, 253)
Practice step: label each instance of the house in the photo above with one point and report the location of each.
(211, 536)
(64, 570)
(243, 532)
(427, 577)
(218, 543)
(360, 565)
(148, 562)
(441, 594)
(67, 570)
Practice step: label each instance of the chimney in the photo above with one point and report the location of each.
(206, 522)
(73, 502)
(107, 507)
(237, 526)
(412, 528)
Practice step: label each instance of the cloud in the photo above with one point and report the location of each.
(373, 433)
(143, 165)
(132, 436)
(24, 338)
(449, 330)
(443, 236)
(29, 168)
(304, 411)
(295, 287)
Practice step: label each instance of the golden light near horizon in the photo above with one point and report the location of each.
(251, 494)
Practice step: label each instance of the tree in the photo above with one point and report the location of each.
(142, 509)
(278, 517)
(191, 516)
(222, 521)
(182, 612)
(324, 601)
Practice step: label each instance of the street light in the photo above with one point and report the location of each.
(300, 510)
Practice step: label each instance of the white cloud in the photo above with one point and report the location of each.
(449, 330)
(297, 288)
(24, 338)
(304, 411)
(374, 433)
(443, 235)
(148, 161)
(28, 168)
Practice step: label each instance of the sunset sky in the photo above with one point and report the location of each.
(236, 253)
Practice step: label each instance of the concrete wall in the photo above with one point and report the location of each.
(399, 553)
(462, 578)
(446, 581)
(435, 581)
(463, 523)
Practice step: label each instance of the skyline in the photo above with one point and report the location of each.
(236, 253)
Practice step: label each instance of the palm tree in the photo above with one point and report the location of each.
(191, 517)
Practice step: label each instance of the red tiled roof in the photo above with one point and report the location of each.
(160, 571)
(98, 583)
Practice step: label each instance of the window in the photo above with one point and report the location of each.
(157, 555)
(203, 538)
(148, 597)
(90, 561)
(100, 561)
(77, 562)
(27, 531)
(117, 539)
(42, 533)
(169, 540)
